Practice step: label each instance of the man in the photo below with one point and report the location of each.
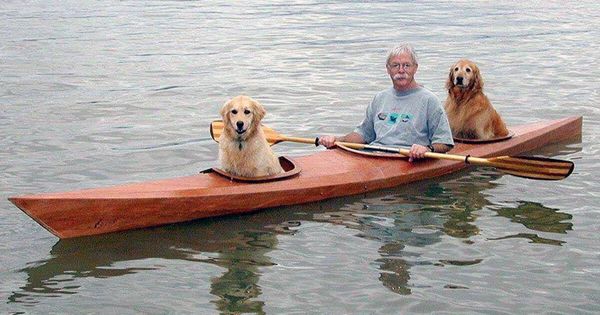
(405, 114)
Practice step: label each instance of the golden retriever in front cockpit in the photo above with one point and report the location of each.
(243, 148)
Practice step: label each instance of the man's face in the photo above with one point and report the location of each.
(402, 71)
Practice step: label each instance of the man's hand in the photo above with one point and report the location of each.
(327, 141)
(417, 151)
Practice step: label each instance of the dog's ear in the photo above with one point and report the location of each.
(477, 79)
(259, 110)
(225, 110)
(450, 79)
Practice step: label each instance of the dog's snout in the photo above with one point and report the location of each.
(459, 80)
(240, 125)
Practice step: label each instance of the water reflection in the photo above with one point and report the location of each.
(219, 242)
(402, 220)
(237, 287)
(537, 217)
(394, 270)
(417, 215)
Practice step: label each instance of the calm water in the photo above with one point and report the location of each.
(103, 93)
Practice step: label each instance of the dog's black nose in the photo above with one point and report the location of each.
(240, 125)
(459, 80)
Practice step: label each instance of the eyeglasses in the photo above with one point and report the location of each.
(397, 66)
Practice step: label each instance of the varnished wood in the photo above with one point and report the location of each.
(325, 174)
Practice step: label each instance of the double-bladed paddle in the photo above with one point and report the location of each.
(522, 166)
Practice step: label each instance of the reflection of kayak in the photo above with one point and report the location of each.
(325, 174)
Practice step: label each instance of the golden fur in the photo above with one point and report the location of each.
(470, 113)
(243, 148)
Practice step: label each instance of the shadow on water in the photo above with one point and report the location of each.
(415, 216)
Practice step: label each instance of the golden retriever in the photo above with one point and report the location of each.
(470, 113)
(243, 148)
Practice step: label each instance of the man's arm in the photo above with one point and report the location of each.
(440, 133)
(441, 147)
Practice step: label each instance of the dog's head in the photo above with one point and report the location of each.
(464, 75)
(241, 116)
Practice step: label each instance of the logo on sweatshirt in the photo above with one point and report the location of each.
(393, 118)
(406, 117)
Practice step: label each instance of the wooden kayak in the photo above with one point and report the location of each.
(325, 174)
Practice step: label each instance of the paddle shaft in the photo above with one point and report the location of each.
(299, 140)
(504, 163)
(442, 156)
(361, 146)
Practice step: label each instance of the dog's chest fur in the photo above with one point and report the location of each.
(250, 157)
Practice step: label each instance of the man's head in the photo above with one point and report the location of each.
(402, 65)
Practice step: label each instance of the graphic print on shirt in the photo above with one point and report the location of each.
(394, 117)
(406, 117)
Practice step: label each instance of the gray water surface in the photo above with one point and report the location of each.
(103, 93)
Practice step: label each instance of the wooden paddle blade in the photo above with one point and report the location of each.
(272, 136)
(533, 167)
(217, 128)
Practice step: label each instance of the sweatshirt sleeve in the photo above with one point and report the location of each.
(366, 128)
(439, 127)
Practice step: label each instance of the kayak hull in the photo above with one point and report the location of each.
(325, 174)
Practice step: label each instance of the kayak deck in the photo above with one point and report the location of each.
(325, 174)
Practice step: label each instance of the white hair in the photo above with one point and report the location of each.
(401, 49)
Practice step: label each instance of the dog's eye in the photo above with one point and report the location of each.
(468, 70)
(456, 69)
(247, 112)
(234, 111)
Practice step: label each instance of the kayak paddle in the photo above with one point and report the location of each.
(522, 166)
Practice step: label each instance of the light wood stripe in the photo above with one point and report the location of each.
(533, 161)
(534, 175)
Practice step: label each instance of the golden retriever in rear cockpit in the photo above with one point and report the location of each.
(243, 148)
(470, 113)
